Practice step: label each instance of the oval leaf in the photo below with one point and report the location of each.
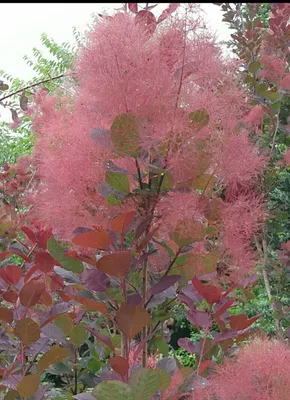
(115, 264)
(13, 274)
(28, 386)
(95, 280)
(198, 119)
(241, 322)
(131, 319)
(164, 283)
(118, 181)
(144, 382)
(78, 335)
(6, 315)
(119, 365)
(89, 303)
(122, 221)
(124, 135)
(53, 355)
(27, 330)
(31, 293)
(68, 263)
(210, 293)
(99, 239)
(44, 261)
(117, 390)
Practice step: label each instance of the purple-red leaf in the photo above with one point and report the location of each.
(186, 344)
(13, 274)
(210, 293)
(44, 261)
(115, 264)
(134, 299)
(95, 280)
(133, 7)
(31, 293)
(241, 322)
(164, 283)
(119, 365)
(198, 318)
(99, 239)
(104, 339)
(168, 11)
(147, 20)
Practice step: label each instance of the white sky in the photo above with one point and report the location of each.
(23, 23)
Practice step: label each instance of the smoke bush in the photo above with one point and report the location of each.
(149, 100)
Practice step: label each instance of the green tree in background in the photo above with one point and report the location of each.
(18, 141)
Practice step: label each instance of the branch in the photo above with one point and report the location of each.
(33, 85)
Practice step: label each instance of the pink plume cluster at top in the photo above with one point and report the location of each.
(161, 79)
(261, 370)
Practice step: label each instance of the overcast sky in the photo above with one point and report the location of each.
(23, 23)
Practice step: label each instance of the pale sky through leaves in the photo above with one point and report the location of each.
(23, 23)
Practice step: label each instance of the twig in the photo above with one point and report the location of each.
(275, 133)
(33, 85)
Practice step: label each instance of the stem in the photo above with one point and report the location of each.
(139, 173)
(202, 348)
(165, 274)
(144, 331)
(124, 339)
(75, 373)
(33, 85)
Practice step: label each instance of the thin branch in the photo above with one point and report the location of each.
(34, 84)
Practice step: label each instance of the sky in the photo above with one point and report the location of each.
(23, 23)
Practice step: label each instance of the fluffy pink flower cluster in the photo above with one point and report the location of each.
(160, 78)
(261, 370)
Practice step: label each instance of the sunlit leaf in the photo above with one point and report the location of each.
(116, 264)
(122, 221)
(57, 252)
(99, 239)
(118, 181)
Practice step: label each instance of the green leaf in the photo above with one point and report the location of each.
(57, 252)
(254, 66)
(167, 182)
(261, 89)
(78, 335)
(94, 365)
(124, 135)
(64, 322)
(113, 201)
(166, 247)
(163, 347)
(272, 95)
(163, 379)
(117, 390)
(144, 383)
(118, 181)
(198, 119)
